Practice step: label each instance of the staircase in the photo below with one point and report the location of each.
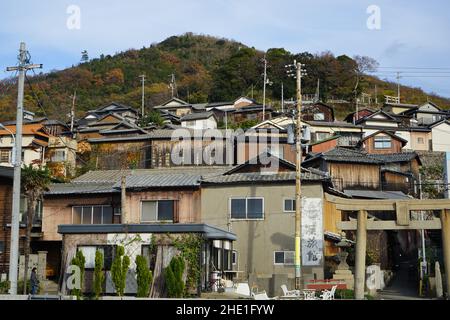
(49, 287)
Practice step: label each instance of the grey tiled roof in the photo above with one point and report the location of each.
(346, 155)
(197, 116)
(396, 157)
(80, 188)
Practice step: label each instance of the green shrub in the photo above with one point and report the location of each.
(144, 277)
(80, 261)
(99, 275)
(344, 294)
(174, 277)
(119, 270)
(4, 287)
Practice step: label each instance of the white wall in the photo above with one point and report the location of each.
(440, 136)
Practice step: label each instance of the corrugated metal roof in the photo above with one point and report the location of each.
(369, 194)
(161, 180)
(262, 177)
(101, 176)
(80, 188)
(210, 232)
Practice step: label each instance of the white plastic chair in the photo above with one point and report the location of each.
(243, 289)
(262, 296)
(328, 294)
(289, 293)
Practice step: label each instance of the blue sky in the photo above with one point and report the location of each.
(413, 33)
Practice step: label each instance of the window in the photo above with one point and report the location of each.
(322, 136)
(91, 215)
(289, 205)
(276, 150)
(89, 254)
(383, 142)
(283, 257)
(247, 208)
(2, 246)
(5, 156)
(58, 156)
(234, 257)
(319, 116)
(420, 140)
(161, 210)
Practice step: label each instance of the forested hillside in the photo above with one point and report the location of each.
(206, 69)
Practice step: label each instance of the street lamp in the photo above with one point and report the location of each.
(13, 157)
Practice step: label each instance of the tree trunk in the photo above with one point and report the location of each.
(31, 204)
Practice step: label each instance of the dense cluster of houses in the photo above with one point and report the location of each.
(237, 200)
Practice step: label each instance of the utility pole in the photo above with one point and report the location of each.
(398, 86)
(264, 88)
(72, 111)
(376, 95)
(282, 98)
(23, 66)
(172, 84)
(142, 76)
(298, 163)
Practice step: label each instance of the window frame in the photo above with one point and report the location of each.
(319, 116)
(284, 258)
(54, 158)
(157, 211)
(284, 205)
(104, 248)
(384, 140)
(234, 257)
(92, 213)
(246, 209)
(4, 151)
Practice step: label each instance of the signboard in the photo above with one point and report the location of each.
(312, 232)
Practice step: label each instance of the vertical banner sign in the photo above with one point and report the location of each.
(312, 232)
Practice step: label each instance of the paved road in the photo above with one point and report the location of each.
(402, 287)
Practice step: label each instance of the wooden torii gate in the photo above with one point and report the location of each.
(403, 221)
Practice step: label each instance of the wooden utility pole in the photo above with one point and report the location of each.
(14, 246)
(142, 76)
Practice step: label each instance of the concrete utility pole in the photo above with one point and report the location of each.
(172, 84)
(299, 73)
(14, 248)
(142, 76)
(264, 88)
(398, 86)
(282, 97)
(72, 111)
